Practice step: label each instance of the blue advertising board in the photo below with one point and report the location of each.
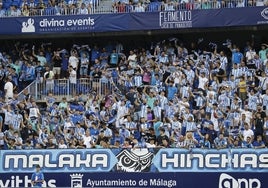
(156, 180)
(169, 167)
(247, 16)
(135, 160)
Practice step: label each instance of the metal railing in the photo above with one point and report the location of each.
(63, 88)
(127, 8)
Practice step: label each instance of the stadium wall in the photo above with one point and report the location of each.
(134, 22)
(137, 168)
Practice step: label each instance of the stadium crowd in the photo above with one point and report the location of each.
(170, 95)
(16, 8)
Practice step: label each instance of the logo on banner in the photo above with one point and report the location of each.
(175, 19)
(264, 13)
(77, 180)
(138, 160)
(22, 181)
(28, 26)
(227, 181)
(80, 161)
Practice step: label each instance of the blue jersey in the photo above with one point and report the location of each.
(114, 57)
(95, 54)
(37, 176)
(237, 57)
(171, 92)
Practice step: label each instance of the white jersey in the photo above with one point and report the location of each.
(2, 138)
(73, 77)
(17, 119)
(137, 80)
(9, 90)
(33, 112)
(87, 141)
(202, 82)
(265, 100)
(264, 126)
(73, 61)
(163, 102)
(8, 117)
(247, 133)
(252, 102)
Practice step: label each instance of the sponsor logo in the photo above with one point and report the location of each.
(66, 23)
(175, 19)
(24, 181)
(55, 24)
(138, 160)
(77, 180)
(227, 181)
(264, 13)
(28, 26)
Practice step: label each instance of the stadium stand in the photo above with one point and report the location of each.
(169, 95)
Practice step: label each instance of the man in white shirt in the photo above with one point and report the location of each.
(83, 9)
(73, 75)
(202, 81)
(72, 78)
(8, 116)
(87, 139)
(132, 59)
(248, 133)
(263, 82)
(8, 89)
(250, 54)
(73, 61)
(49, 79)
(62, 144)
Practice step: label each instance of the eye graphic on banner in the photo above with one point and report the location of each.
(135, 160)
(264, 13)
(28, 26)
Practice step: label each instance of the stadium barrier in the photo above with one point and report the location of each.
(63, 88)
(148, 167)
(156, 6)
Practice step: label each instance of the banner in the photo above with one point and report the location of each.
(247, 16)
(156, 180)
(135, 160)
